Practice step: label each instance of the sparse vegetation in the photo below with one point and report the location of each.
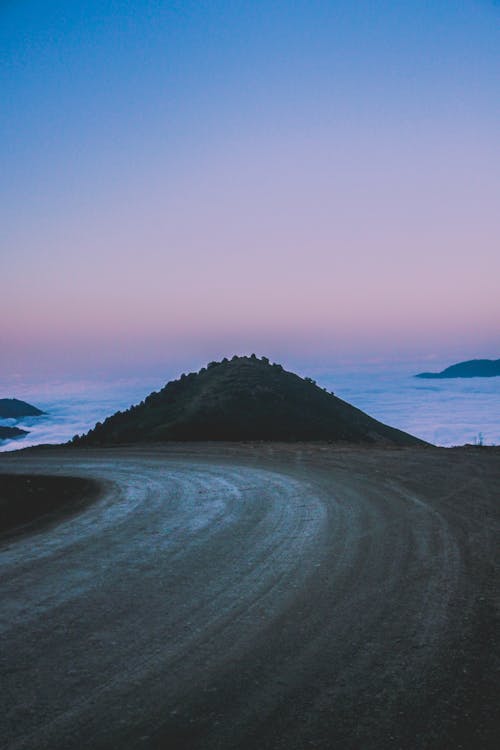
(242, 399)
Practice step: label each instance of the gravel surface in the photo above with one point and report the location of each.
(256, 597)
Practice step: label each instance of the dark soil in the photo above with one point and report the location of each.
(27, 502)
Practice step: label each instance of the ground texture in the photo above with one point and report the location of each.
(255, 597)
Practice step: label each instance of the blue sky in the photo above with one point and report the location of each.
(309, 178)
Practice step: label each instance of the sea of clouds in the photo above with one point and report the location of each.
(443, 412)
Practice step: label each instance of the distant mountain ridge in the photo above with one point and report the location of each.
(13, 408)
(245, 398)
(472, 368)
(9, 433)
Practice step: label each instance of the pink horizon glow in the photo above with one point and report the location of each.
(335, 198)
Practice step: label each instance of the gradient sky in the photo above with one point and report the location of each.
(316, 181)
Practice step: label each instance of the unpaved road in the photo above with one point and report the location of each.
(256, 597)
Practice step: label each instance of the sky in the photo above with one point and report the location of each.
(314, 181)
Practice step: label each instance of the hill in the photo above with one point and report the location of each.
(7, 433)
(472, 368)
(243, 399)
(12, 408)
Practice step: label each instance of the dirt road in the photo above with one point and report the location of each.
(256, 597)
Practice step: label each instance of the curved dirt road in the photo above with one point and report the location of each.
(255, 597)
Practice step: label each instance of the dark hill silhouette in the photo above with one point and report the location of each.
(7, 433)
(12, 408)
(472, 368)
(243, 399)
